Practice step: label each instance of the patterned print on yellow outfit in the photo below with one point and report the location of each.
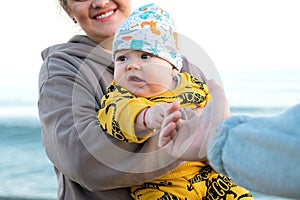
(200, 183)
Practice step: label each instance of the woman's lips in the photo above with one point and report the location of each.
(104, 14)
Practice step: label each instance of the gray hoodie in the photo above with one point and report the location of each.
(90, 164)
(261, 153)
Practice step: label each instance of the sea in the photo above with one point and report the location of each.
(27, 174)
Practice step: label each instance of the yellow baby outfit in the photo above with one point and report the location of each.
(191, 180)
(119, 108)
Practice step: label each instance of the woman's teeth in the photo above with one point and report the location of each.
(105, 15)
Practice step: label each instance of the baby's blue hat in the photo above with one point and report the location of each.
(149, 29)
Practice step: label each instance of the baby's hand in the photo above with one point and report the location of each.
(156, 114)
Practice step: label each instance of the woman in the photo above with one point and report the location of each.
(73, 78)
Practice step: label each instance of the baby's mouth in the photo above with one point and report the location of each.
(135, 79)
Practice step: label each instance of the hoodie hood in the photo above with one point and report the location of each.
(80, 46)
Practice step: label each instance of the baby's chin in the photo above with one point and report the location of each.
(144, 94)
(140, 94)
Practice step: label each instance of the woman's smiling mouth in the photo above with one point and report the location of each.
(104, 15)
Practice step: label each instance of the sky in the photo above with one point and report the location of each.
(235, 34)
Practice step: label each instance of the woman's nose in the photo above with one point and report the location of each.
(99, 3)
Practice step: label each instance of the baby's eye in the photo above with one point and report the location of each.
(146, 56)
(121, 58)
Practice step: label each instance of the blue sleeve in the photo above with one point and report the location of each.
(260, 153)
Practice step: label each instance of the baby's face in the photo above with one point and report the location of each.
(143, 74)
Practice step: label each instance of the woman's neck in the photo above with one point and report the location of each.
(107, 44)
